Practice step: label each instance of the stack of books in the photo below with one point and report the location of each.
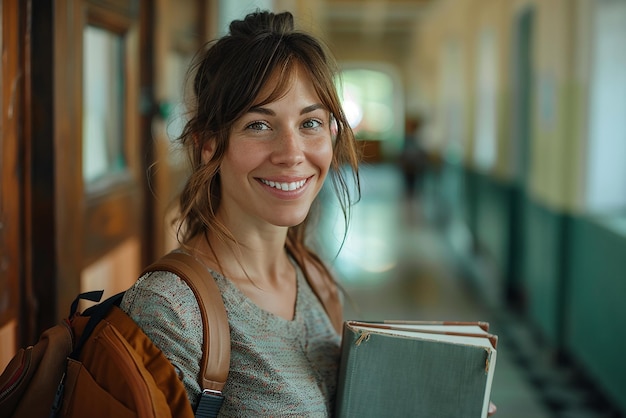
(416, 369)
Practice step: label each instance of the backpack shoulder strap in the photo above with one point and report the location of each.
(216, 353)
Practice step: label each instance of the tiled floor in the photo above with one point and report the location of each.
(396, 264)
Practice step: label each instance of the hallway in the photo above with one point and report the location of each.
(397, 263)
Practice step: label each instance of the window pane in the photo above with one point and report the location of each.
(103, 104)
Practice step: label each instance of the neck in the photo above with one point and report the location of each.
(261, 256)
(260, 268)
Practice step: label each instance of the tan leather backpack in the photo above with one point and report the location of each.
(101, 364)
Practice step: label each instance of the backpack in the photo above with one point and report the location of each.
(99, 363)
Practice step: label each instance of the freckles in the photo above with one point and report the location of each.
(325, 154)
(322, 150)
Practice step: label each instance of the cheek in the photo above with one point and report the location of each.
(231, 171)
(241, 159)
(326, 155)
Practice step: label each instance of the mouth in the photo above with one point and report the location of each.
(285, 186)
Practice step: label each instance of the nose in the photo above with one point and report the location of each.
(288, 149)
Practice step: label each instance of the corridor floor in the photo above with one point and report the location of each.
(395, 263)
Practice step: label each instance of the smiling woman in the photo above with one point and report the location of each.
(266, 130)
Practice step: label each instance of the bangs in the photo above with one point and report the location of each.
(282, 77)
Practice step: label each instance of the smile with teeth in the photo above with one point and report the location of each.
(294, 185)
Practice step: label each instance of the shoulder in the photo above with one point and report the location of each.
(157, 284)
(160, 293)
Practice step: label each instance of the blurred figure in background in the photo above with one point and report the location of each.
(413, 159)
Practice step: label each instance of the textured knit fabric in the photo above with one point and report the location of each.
(278, 367)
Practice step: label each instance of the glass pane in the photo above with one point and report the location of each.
(103, 104)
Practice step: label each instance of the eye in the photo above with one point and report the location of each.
(258, 126)
(312, 124)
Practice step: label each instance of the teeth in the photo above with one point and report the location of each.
(284, 186)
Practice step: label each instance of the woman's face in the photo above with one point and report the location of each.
(277, 158)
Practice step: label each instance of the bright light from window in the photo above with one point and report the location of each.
(352, 107)
(369, 102)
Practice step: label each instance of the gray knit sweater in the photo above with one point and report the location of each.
(277, 367)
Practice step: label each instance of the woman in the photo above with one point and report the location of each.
(265, 131)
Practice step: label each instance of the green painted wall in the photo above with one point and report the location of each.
(596, 306)
(543, 268)
(571, 272)
(489, 220)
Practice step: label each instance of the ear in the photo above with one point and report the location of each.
(208, 148)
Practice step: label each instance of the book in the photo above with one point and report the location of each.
(415, 369)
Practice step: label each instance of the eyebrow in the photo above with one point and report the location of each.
(266, 111)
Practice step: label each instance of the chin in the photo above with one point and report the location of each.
(288, 221)
(289, 224)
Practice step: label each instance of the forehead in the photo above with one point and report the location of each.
(282, 80)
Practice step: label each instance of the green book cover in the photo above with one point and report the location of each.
(414, 369)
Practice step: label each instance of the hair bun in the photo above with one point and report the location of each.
(262, 21)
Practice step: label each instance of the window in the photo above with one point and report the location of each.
(370, 102)
(606, 170)
(103, 104)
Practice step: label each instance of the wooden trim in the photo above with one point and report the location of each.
(108, 19)
(153, 233)
(39, 181)
(126, 8)
(67, 64)
(10, 163)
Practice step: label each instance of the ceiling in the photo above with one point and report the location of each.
(377, 21)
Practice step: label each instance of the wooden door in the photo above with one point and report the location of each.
(10, 174)
(101, 205)
(79, 132)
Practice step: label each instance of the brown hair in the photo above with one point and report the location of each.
(229, 74)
